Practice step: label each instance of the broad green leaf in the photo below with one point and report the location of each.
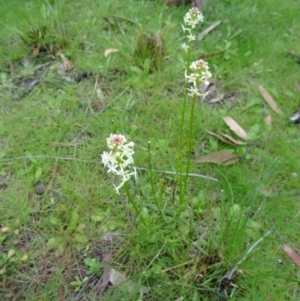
(111, 225)
(53, 242)
(24, 257)
(136, 70)
(11, 253)
(98, 218)
(38, 173)
(234, 210)
(80, 238)
(89, 261)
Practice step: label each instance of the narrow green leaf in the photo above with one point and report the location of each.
(73, 222)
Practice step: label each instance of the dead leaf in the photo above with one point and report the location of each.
(110, 236)
(226, 138)
(222, 157)
(61, 295)
(104, 281)
(212, 92)
(234, 141)
(219, 137)
(4, 229)
(198, 4)
(208, 30)
(207, 55)
(67, 65)
(268, 121)
(292, 254)
(58, 52)
(108, 51)
(116, 278)
(269, 100)
(203, 87)
(36, 51)
(235, 127)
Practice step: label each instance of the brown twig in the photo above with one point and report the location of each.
(205, 56)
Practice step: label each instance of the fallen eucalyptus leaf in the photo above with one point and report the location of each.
(269, 100)
(102, 285)
(219, 137)
(234, 141)
(117, 278)
(207, 30)
(66, 63)
(235, 127)
(268, 121)
(4, 229)
(108, 51)
(222, 157)
(292, 254)
(226, 138)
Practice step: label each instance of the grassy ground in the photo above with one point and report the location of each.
(64, 228)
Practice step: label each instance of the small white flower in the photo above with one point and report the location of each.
(106, 158)
(191, 37)
(193, 91)
(185, 47)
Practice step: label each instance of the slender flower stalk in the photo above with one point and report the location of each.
(196, 72)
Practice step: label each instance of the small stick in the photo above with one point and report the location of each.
(174, 173)
(97, 162)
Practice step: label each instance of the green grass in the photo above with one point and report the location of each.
(181, 252)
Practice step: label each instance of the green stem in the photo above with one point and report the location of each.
(191, 136)
(131, 200)
(181, 145)
(151, 175)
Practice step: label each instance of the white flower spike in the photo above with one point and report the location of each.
(118, 161)
(193, 17)
(199, 73)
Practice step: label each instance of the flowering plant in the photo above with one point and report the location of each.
(197, 72)
(119, 159)
(191, 19)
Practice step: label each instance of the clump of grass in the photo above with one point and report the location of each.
(149, 51)
(46, 39)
